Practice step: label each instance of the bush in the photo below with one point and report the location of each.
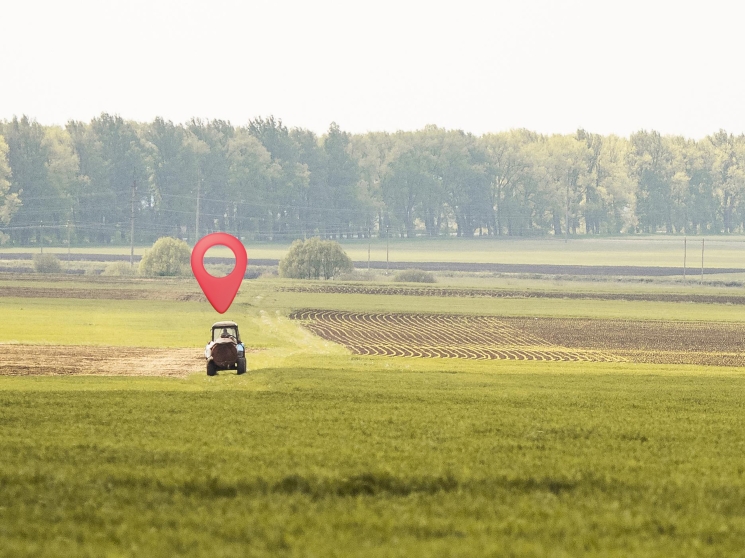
(167, 257)
(414, 276)
(120, 269)
(314, 258)
(47, 263)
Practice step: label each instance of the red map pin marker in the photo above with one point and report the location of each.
(220, 291)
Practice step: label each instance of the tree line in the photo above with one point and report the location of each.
(97, 181)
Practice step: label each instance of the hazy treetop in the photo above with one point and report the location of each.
(550, 66)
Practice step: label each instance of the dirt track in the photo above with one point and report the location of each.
(489, 337)
(68, 360)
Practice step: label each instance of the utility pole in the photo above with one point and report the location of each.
(196, 226)
(368, 248)
(386, 249)
(702, 261)
(132, 226)
(41, 236)
(566, 218)
(685, 253)
(68, 244)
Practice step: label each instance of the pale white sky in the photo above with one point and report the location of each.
(550, 66)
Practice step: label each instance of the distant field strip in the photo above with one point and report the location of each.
(499, 293)
(438, 336)
(101, 294)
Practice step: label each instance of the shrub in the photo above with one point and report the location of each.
(47, 263)
(414, 276)
(120, 269)
(167, 257)
(314, 258)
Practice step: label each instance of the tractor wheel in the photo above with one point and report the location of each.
(211, 368)
(241, 365)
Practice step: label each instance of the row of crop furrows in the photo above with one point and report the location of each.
(437, 336)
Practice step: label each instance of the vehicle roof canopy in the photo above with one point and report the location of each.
(224, 324)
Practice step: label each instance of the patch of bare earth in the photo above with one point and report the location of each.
(70, 360)
(104, 294)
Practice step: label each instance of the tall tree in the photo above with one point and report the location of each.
(650, 163)
(10, 201)
(728, 173)
(283, 207)
(28, 157)
(342, 177)
(507, 165)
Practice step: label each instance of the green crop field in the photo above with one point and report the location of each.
(319, 452)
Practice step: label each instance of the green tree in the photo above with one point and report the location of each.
(728, 173)
(167, 257)
(562, 164)
(252, 175)
(461, 165)
(10, 202)
(506, 167)
(342, 177)
(176, 157)
(650, 163)
(408, 177)
(283, 206)
(314, 259)
(28, 156)
(370, 151)
(606, 198)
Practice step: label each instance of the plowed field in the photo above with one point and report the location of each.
(438, 335)
(487, 337)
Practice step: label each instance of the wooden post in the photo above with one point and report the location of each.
(702, 261)
(132, 227)
(566, 217)
(196, 225)
(386, 249)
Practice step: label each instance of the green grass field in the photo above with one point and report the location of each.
(316, 452)
(365, 459)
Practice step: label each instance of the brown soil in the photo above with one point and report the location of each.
(68, 360)
(494, 293)
(660, 342)
(106, 294)
(438, 336)
(488, 337)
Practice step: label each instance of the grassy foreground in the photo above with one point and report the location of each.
(362, 457)
(317, 452)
